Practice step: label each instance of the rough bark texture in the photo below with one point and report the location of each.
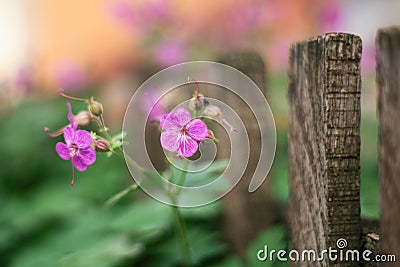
(388, 80)
(246, 214)
(324, 144)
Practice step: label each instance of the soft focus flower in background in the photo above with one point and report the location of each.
(169, 52)
(368, 63)
(140, 16)
(70, 75)
(24, 79)
(330, 16)
(152, 108)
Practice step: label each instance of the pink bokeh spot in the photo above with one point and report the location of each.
(151, 107)
(330, 17)
(70, 75)
(368, 59)
(168, 53)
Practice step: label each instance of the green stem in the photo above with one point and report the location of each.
(180, 228)
(180, 224)
(103, 129)
(182, 176)
(116, 198)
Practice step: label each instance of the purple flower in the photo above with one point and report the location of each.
(77, 148)
(182, 134)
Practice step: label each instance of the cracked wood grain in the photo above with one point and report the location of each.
(324, 144)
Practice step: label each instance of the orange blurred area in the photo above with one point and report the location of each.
(79, 32)
(94, 38)
(76, 44)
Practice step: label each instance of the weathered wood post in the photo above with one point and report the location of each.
(388, 81)
(246, 214)
(324, 144)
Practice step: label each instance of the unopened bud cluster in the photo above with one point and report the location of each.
(198, 102)
(96, 108)
(102, 145)
(212, 111)
(83, 118)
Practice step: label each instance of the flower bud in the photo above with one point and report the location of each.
(205, 102)
(102, 145)
(96, 108)
(197, 103)
(83, 118)
(212, 111)
(210, 135)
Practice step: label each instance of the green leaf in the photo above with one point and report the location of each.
(143, 216)
(203, 244)
(204, 177)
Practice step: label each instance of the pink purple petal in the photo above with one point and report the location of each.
(197, 129)
(162, 120)
(187, 146)
(83, 139)
(182, 116)
(69, 135)
(169, 140)
(87, 156)
(78, 164)
(177, 119)
(169, 123)
(63, 151)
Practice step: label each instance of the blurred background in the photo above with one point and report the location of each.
(105, 49)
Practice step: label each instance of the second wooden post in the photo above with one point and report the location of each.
(324, 145)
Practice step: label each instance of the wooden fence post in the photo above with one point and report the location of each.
(388, 81)
(246, 214)
(324, 144)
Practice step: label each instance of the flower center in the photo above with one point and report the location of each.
(73, 150)
(183, 131)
